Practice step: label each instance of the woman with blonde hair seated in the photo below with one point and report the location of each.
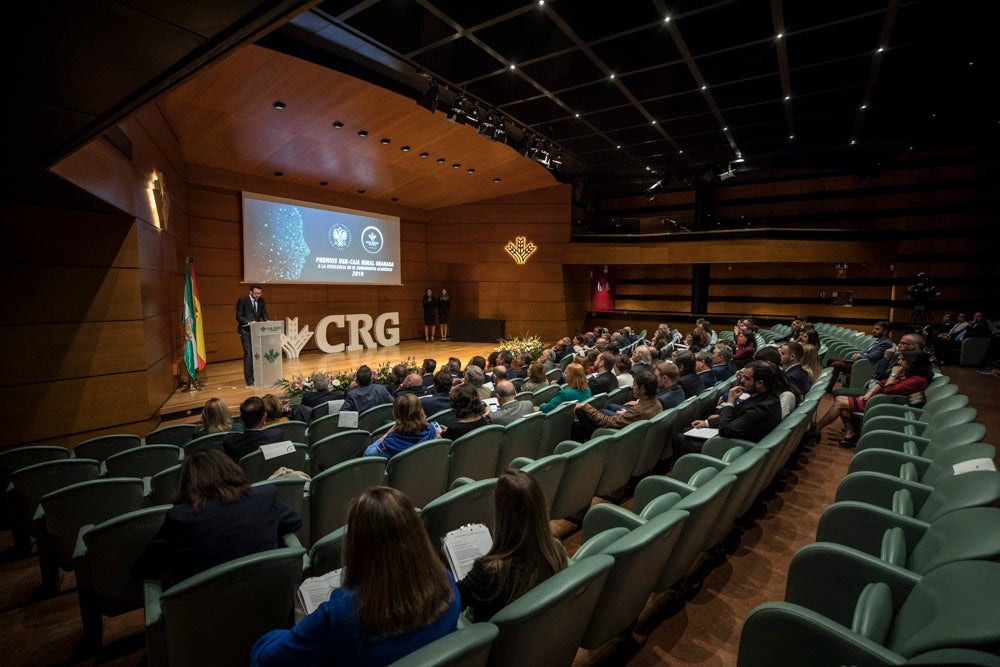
(810, 361)
(575, 389)
(395, 597)
(216, 418)
(524, 552)
(409, 428)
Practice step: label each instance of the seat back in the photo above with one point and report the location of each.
(318, 412)
(584, 467)
(337, 448)
(476, 453)
(210, 441)
(70, 509)
(325, 553)
(323, 427)
(103, 446)
(557, 427)
(291, 490)
(544, 394)
(639, 557)
(942, 466)
(32, 482)
(556, 373)
(686, 413)
(548, 473)
(468, 503)
(467, 647)
(707, 402)
(265, 582)
(973, 351)
(163, 484)
(972, 533)
(421, 471)
(597, 401)
(520, 438)
(973, 489)
(621, 395)
(375, 416)
(444, 417)
(143, 461)
(257, 468)
(22, 457)
(661, 427)
(177, 434)
(331, 492)
(942, 422)
(622, 457)
(291, 430)
(546, 625)
(861, 372)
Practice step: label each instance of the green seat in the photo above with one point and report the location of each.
(15, 459)
(556, 373)
(102, 560)
(927, 503)
(938, 422)
(257, 468)
(380, 431)
(543, 395)
(661, 428)
(323, 427)
(475, 454)
(929, 469)
(837, 612)
(747, 469)
(468, 647)
(62, 513)
(196, 621)
(708, 401)
(421, 471)
(163, 484)
(621, 395)
(622, 455)
(337, 448)
(471, 502)
(325, 553)
(639, 558)
(200, 444)
(556, 427)
(962, 434)
(30, 483)
(444, 417)
(862, 371)
(584, 467)
(598, 401)
(178, 434)
(143, 461)
(374, 417)
(546, 625)
(520, 439)
(291, 430)
(971, 533)
(547, 472)
(103, 446)
(318, 412)
(331, 492)
(932, 406)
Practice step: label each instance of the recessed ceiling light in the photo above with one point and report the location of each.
(279, 173)
(280, 106)
(363, 133)
(612, 75)
(648, 168)
(704, 87)
(425, 155)
(394, 199)
(512, 66)
(361, 191)
(457, 165)
(440, 160)
(405, 149)
(653, 123)
(496, 180)
(791, 137)
(725, 129)
(666, 19)
(618, 146)
(780, 35)
(680, 152)
(788, 97)
(853, 141)
(739, 158)
(577, 115)
(337, 124)
(384, 141)
(880, 49)
(323, 183)
(470, 171)
(864, 106)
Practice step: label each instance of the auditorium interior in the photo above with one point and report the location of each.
(708, 159)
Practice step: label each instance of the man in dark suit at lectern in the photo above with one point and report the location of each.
(250, 308)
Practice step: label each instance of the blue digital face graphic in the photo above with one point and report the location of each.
(281, 248)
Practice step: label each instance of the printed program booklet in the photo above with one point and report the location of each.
(463, 546)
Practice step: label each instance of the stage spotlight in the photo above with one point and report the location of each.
(429, 100)
(456, 114)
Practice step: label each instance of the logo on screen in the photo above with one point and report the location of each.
(371, 239)
(340, 237)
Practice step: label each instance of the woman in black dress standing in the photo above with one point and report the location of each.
(430, 311)
(444, 310)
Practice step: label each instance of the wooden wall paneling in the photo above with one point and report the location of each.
(110, 240)
(157, 337)
(101, 170)
(216, 262)
(209, 233)
(74, 293)
(213, 204)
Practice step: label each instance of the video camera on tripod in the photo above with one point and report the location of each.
(923, 290)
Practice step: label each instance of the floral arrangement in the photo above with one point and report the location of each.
(533, 345)
(381, 374)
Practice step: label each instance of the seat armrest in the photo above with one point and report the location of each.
(886, 461)
(606, 516)
(595, 544)
(719, 445)
(81, 547)
(689, 464)
(876, 488)
(890, 423)
(566, 446)
(152, 589)
(889, 440)
(654, 486)
(519, 463)
(862, 526)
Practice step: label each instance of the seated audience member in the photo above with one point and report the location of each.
(604, 380)
(592, 355)
(509, 407)
(549, 360)
(411, 384)
(409, 428)
(907, 380)
(427, 375)
(274, 411)
(623, 371)
(722, 357)
(874, 353)
(809, 336)
(238, 445)
(468, 409)
(499, 373)
(479, 361)
(791, 363)
(646, 405)
(397, 374)
(810, 362)
(441, 398)
(689, 380)
(217, 517)
(579, 344)
(536, 378)
(746, 344)
(706, 326)
(525, 365)
(395, 595)
(668, 389)
(455, 367)
(979, 327)
(575, 389)
(321, 392)
(524, 552)
(474, 376)
(788, 392)
(793, 333)
(703, 367)
(642, 356)
(364, 394)
(216, 418)
(750, 419)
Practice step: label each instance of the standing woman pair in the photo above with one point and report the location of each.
(439, 307)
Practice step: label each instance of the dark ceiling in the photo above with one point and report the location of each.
(74, 70)
(634, 91)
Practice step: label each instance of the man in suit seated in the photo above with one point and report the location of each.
(510, 408)
(430, 365)
(321, 392)
(791, 354)
(238, 445)
(703, 367)
(604, 380)
(441, 398)
(750, 419)
(722, 357)
(689, 380)
(411, 384)
(364, 393)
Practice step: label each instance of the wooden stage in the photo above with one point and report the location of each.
(225, 379)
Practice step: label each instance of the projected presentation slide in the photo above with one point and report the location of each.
(288, 241)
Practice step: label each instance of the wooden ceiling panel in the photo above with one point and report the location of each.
(224, 118)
